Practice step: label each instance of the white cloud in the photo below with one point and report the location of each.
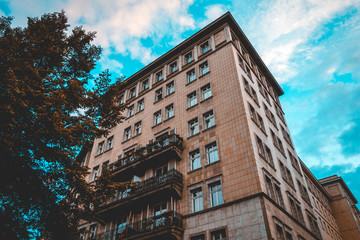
(212, 12)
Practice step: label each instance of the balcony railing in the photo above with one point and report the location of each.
(152, 148)
(154, 183)
(154, 224)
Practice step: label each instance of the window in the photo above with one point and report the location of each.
(127, 133)
(92, 232)
(195, 160)
(109, 143)
(95, 173)
(158, 95)
(270, 115)
(191, 76)
(170, 88)
(279, 232)
(218, 235)
(269, 187)
(252, 113)
(100, 148)
(204, 47)
(137, 129)
(132, 92)
(261, 122)
(212, 154)
(209, 119)
(169, 111)
(130, 111)
(82, 233)
(157, 118)
(197, 199)
(121, 225)
(188, 57)
(121, 99)
(159, 76)
(295, 208)
(193, 127)
(241, 62)
(204, 68)
(140, 105)
(286, 174)
(254, 95)
(278, 195)
(144, 84)
(215, 192)
(206, 92)
(173, 67)
(260, 147)
(268, 155)
(192, 99)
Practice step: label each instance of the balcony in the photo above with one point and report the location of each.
(158, 186)
(166, 147)
(167, 225)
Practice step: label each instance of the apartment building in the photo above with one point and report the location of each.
(207, 148)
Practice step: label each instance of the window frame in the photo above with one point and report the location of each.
(195, 157)
(192, 99)
(169, 86)
(205, 90)
(193, 127)
(159, 94)
(208, 153)
(144, 84)
(204, 47)
(136, 128)
(140, 105)
(127, 134)
(190, 76)
(167, 108)
(204, 68)
(155, 122)
(207, 120)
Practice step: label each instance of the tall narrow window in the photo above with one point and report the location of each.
(157, 118)
(218, 235)
(193, 127)
(191, 76)
(159, 76)
(140, 105)
(100, 148)
(192, 99)
(197, 199)
(188, 57)
(144, 84)
(137, 130)
(173, 67)
(260, 147)
(204, 68)
(92, 232)
(131, 111)
(109, 143)
(195, 161)
(127, 133)
(169, 111)
(158, 95)
(132, 92)
(212, 152)
(279, 198)
(170, 88)
(121, 99)
(204, 47)
(95, 173)
(206, 92)
(215, 192)
(269, 187)
(209, 119)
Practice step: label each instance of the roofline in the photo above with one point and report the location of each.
(331, 179)
(225, 18)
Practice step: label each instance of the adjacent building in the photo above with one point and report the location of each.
(209, 154)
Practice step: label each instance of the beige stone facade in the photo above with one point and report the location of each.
(207, 148)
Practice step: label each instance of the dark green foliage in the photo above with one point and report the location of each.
(47, 115)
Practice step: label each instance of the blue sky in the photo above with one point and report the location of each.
(311, 47)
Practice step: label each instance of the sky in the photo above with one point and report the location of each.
(312, 47)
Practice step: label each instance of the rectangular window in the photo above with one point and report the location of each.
(215, 192)
(137, 129)
(95, 173)
(158, 95)
(261, 122)
(279, 198)
(188, 57)
(212, 154)
(191, 76)
(140, 105)
(130, 111)
(132, 92)
(260, 147)
(206, 92)
(254, 95)
(204, 47)
(192, 99)
(159, 76)
(193, 127)
(173, 67)
(209, 119)
(269, 187)
(195, 160)
(199, 237)
(92, 232)
(157, 118)
(144, 84)
(121, 99)
(169, 111)
(218, 235)
(170, 88)
(204, 68)
(268, 155)
(127, 133)
(100, 148)
(252, 113)
(279, 232)
(197, 199)
(109, 143)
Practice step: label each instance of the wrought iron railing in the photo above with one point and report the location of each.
(149, 184)
(150, 149)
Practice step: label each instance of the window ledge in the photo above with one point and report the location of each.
(158, 101)
(191, 106)
(139, 111)
(210, 164)
(193, 135)
(169, 118)
(195, 170)
(188, 83)
(136, 135)
(124, 141)
(206, 99)
(170, 94)
(99, 154)
(129, 117)
(204, 74)
(213, 126)
(156, 125)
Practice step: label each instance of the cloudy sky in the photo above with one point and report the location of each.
(312, 47)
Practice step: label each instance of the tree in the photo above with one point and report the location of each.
(48, 113)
